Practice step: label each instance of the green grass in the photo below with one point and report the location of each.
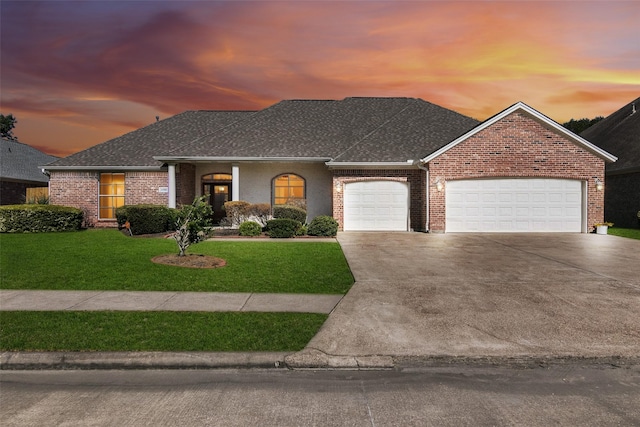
(109, 260)
(156, 331)
(632, 233)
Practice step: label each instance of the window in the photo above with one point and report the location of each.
(111, 194)
(288, 188)
(216, 177)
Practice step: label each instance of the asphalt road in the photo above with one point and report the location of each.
(445, 396)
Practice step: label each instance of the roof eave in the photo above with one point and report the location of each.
(98, 168)
(409, 164)
(180, 159)
(524, 107)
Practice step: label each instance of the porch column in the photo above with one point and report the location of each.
(172, 185)
(235, 182)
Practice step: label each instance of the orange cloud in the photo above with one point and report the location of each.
(79, 73)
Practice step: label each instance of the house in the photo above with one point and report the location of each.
(393, 164)
(20, 170)
(619, 133)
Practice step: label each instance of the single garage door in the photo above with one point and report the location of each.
(514, 205)
(376, 206)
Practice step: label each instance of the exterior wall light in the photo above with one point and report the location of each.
(338, 186)
(599, 185)
(439, 185)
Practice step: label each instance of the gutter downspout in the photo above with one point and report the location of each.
(422, 166)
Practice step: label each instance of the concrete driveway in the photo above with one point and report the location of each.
(487, 295)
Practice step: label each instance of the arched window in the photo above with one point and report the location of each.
(288, 188)
(212, 177)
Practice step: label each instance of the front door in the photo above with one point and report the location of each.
(218, 193)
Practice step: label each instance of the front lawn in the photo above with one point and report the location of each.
(156, 331)
(632, 233)
(109, 260)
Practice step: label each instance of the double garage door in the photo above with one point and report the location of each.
(514, 205)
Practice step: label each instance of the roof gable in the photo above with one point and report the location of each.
(619, 133)
(546, 121)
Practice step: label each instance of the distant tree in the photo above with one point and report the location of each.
(579, 126)
(7, 123)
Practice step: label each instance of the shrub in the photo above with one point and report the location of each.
(323, 226)
(282, 227)
(146, 219)
(259, 212)
(291, 212)
(236, 211)
(250, 228)
(39, 218)
(302, 230)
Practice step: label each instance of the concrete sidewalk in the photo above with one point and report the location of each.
(33, 300)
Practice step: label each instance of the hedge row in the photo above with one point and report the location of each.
(39, 218)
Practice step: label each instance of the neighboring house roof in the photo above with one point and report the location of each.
(541, 118)
(21, 162)
(619, 133)
(136, 149)
(353, 130)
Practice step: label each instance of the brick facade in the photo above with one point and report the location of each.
(516, 146)
(417, 194)
(142, 188)
(185, 184)
(80, 190)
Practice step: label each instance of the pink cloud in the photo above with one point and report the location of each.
(106, 67)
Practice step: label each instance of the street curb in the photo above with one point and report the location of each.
(519, 362)
(307, 359)
(139, 360)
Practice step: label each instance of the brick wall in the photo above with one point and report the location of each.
(185, 184)
(142, 188)
(78, 190)
(415, 178)
(517, 146)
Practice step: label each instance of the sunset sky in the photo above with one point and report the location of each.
(77, 73)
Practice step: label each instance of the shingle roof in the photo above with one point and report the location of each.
(619, 134)
(137, 148)
(21, 162)
(350, 130)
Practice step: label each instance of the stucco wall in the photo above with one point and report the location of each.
(256, 181)
(517, 146)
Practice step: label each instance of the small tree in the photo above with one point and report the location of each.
(191, 223)
(7, 123)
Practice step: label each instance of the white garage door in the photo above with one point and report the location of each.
(514, 205)
(376, 206)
